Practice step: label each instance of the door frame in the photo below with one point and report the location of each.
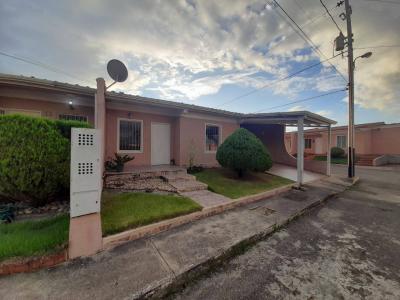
(151, 140)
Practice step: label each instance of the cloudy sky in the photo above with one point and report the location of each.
(225, 54)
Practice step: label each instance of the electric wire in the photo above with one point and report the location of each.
(333, 20)
(302, 100)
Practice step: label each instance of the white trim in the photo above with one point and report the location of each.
(205, 136)
(141, 136)
(210, 117)
(21, 110)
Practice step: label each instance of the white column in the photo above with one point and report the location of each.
(100, 117)
(300, 151)
(328, 152)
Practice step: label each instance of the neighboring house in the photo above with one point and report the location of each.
(155, 131)
(371, 140)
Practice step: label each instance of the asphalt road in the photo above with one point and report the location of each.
(348, 248)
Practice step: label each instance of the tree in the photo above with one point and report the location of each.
(242, 151)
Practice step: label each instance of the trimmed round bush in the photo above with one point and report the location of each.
(242, 151)
(34, 159)
(337, 152)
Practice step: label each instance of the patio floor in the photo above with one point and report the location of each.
(291, 173)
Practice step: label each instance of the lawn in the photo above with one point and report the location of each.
(129, 210)
(119, 212)
(340, 160)
(225, 182)
(33, 237)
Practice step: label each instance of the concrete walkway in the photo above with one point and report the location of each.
(137, 267)
(206, 198)
(291, 173)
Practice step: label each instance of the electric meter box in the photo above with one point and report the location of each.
(85, 179)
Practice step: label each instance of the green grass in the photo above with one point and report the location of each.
(29, 238)
(226, 182)
(340, 160)
(129, 210)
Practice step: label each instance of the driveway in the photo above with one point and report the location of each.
(347, 249)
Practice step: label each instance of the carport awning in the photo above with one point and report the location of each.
(288, 118)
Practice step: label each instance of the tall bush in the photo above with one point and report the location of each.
(243, 151)
(34, 158)
(337, 152)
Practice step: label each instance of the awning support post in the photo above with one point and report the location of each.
(300, 151)
(328, 152)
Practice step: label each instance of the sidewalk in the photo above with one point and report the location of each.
(142, 266)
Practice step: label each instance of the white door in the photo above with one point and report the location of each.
(160, 144)
(318, 146)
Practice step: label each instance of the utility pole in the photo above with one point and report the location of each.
(350, 129)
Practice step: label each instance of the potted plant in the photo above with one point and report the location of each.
(117, 163)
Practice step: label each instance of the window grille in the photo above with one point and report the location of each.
(341, 141)
(130, 135)
(212, 137)
(73, 118)
(307, 143)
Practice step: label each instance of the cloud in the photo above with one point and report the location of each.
(183, 50)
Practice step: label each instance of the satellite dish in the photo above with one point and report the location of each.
(117, 70)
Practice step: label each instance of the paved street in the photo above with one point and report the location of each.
(347, 249)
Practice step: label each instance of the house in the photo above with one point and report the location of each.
(156, 132)
(372, 141)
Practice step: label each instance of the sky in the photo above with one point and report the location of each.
(225, 54)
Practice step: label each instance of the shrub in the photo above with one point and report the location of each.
(337, 152)
(64, 126)
(243, 151)
(34, 158)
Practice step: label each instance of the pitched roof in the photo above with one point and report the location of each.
(283, 117)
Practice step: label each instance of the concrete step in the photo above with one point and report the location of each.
(177, 177)
(188, 185)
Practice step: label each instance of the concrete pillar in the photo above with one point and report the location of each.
(100, 117)
(328, 152)
(300, 151)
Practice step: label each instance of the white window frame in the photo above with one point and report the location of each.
(5, 110)
(205, 136)
(345, 141)
(141, 135)
(305, 143)
(80, 116)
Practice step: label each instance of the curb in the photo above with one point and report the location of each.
(27, 265)
(170, 286)
(148, 230)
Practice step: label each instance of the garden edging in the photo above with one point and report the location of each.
(31, 264)
(137, 233)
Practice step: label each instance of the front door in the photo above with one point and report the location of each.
(160, 144)
(318, 146)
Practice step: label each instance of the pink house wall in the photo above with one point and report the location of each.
(144, 157)
(382, 140)
(47, 108)
(192, 140)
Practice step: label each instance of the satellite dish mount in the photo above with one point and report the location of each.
(117, 71)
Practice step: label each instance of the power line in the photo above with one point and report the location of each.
(306, 38)
(42, 65)
(383, 1)
(333, 20)
(278, 80)
(301, 100)
(379, 46)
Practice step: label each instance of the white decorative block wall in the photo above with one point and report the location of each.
(86, 179)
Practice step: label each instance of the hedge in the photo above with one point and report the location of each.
(337, 152)
(243, 151)
(34, 158)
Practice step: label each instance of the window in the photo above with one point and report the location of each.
(341, 141)
(212, 137)
(2, 112)
(307, 143)
(130, 135)
(73, 118)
